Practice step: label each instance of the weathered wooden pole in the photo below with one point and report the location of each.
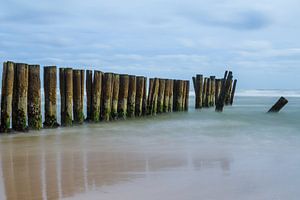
(66, 93)
(204, 93)
(144, 107)
(139, 95)
(20, 92)
(233, 91)
(106, 96)
(225, 88)
(96, 96)
(217, 89)
(155, 96)
(212, 90)
(131, 96)
(278, 105)
(89, 96)
(7, 95)
(123, 96)
(208, 94)
(171, 95)
(150, 96)
(228, 93)
(161, 95)
(183, 95)
(115, 96)
(167, 95)
(187, 94)
(34, 98)
(178, 95)
(78, 92)
(50, 81)
(199, 88)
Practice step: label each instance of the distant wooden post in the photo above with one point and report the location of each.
(19, 113)
(225, 87)
(161, 94)
(115, 96)
(183, 95)
(106, 96)
(123, 96)
(88, 85)
(144, 107)
(199, 92)
(178, 95)
(150, 96)
(155, 96)
(96, 96)
(228, 93)
(78, 91)
(139, 95)
(212, 90)
(34, 98)
(233, 91)
(187, 93)
(66, 93)
(131, 96)
(204, 95)
(7, 95)
(167, 95)
(217, 90)
(50, 81)
(171, 96)
(278, 105)
(208, 94)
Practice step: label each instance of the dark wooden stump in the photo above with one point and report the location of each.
(278, 105)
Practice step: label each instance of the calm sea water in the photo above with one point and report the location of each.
(242, 153)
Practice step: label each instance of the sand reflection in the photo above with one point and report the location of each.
(53, 168)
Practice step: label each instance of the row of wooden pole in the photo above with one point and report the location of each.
(212, 92)
(109, 96)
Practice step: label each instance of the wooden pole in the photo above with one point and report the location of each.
(217, 90)
(207, 99)
(199, 88)
(178, 95)
(96, 96)
(66, 91)
(171, 96)
(187, 94)
(278, 105)
(228, 93)
(131, 96)
(139, 95)
(123, 96)
(233, 92)
(204, 93)
(106, 96)
(34, 98)
(7, 95)
(50, 81)
(89, 96)
(150, 96)
(115, 96)
(155, 96)
(212, 90)
(161, 94)
(183, 95)
(225, 88)
(144, 107)
(167, 95)
(19, 112)
(77, 97)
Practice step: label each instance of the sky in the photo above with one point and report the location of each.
(259, 40)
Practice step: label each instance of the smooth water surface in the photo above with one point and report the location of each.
(242, 153)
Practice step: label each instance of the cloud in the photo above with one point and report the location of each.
(236, 20)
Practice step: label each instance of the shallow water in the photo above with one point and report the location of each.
(242, 153)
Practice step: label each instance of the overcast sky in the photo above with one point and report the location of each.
(258, 39)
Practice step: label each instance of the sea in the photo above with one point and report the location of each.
(242, 153)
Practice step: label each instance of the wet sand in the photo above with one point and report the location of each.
(174, 156)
